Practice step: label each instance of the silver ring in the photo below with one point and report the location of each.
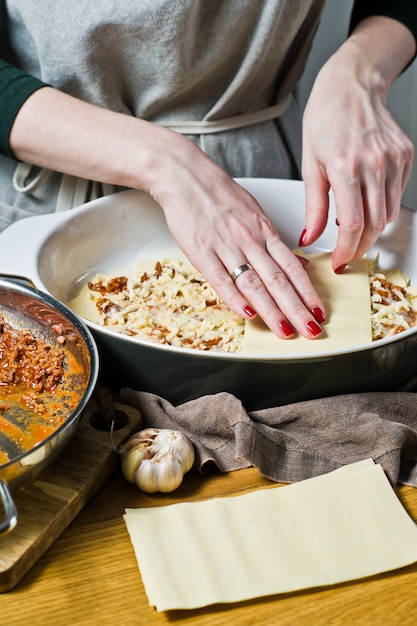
(239, 270)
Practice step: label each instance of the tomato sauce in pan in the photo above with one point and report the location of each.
(33, 399)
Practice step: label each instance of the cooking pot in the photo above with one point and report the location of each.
(59, 252)
(26, 308)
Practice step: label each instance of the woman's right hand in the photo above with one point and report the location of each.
(220, 227)
(218, 224)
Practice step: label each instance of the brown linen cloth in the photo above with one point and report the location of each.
(297, 441)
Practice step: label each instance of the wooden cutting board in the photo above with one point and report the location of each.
(50, 502)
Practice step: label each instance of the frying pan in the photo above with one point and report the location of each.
(24, 307)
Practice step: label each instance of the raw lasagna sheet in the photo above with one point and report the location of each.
(340, 526)
(346, 298)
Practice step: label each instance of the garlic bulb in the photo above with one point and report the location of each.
(157, 459)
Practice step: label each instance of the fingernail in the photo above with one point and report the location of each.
(313, 328)
(249, 311)
(318, 314)
(303, 260)
(340, 269)
(302, 238)
(286, 328)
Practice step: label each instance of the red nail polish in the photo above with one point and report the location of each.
(318, 314)
(302, 260)
(249, 311)
(286, 328)
(340, 269)
(313, 328)
(302, 238)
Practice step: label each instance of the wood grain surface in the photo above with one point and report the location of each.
(90, 575)
(50, 502)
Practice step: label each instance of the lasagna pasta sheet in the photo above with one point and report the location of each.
(346, 298)
(341, 526)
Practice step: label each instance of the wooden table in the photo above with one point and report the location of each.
(90, 575)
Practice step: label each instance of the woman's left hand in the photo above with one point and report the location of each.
(352, 144)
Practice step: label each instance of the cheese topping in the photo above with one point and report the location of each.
(393, 305)
(173, 305)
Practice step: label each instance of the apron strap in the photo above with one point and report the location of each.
(22, 180)
(73, 191)
(206, 127)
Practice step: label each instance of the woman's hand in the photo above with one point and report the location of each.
(351, 143)
(220, 227)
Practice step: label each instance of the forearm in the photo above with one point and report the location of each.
(59, 132)
(403, 11)
(15, 87)
(378, 50)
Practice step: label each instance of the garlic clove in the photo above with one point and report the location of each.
(147, 477)
(164, 476)
(130, 463)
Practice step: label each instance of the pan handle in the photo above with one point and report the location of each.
(10, 517)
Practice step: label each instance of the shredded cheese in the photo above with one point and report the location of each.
(393, 306)
(174, 305)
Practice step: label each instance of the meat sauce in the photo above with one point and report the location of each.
(32, 373)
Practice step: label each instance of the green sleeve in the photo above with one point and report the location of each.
(15, 87)
(404, 11)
